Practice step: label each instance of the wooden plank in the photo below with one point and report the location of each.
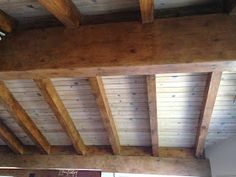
(147, 10)
(208, 106)
(23, 119)
(10, 139)
(51, 96)
(105, 111)
(64, 10)
(6, 22)
(109, 163)
(140, 51)
(152, 103)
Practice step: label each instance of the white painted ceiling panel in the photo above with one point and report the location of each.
(179, 102)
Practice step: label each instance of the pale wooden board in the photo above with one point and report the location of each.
(50, 131)
(81, 104)
(223, 122)
(179, 103)
(129, 108)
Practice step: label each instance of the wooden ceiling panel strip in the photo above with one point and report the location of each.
(52, 98)
(152, 103)
(208, 106)
(10, 139)
(6, 22)
(22, 118)
(63, 10)
(106, 115)
(147, 10)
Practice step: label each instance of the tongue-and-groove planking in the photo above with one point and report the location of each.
(179, 101)
(223, 122)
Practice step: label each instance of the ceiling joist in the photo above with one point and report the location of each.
(52, 98)
(208, 106)
(23, 119)
(152, 105)
(147, 10)
(10, 139)
(105, 111)
(64, 10)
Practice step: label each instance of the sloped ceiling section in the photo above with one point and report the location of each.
(179, 103)
(223, 122)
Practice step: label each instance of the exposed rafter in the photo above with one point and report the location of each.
(208, 106)
(63, 10)
(6, 22)
(10, 139)
(152, 104)
(104, 108)
(22, 118)
(147, 10)
(62, 115)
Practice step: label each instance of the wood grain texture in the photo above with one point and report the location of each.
(109, 163)
(122, 49)
(147, 10)
(23, 119)
(10, 139)
(62, 115)
(152, 105)
(106, 115)
(208, 106)
(63, 10)
(6, 22)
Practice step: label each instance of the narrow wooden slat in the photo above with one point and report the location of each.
(63, 10)
(6, 22)
(23, 119)
(152, 103)
(208, 106)
(51, 96)
(147, 10)
(10, 139)
(105, 111)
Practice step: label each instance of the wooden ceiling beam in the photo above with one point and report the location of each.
(64, 10)
(53, 99)
(23, 119)
(152, 105)
(147, 10)
(105, 111)
(10, 139)
(212, 87)
(122, 49)
(6, 22)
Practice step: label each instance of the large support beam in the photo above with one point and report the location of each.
(105, 111)
(52, 98)
(10, 139)
(122, 49)
(147, 10)
(63, 10)
(6, 22)
(152, 104)
(23, 119)
(109, 163)
(208, 106)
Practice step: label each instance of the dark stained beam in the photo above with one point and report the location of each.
(64, 10)
(6, 22)
(52, 98)
(208, 106)
(147, 10)
(122, 49)
(10, 139)
(105, 111)
(152, 105)
(23, 119)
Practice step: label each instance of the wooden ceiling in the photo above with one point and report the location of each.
(121, 88)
